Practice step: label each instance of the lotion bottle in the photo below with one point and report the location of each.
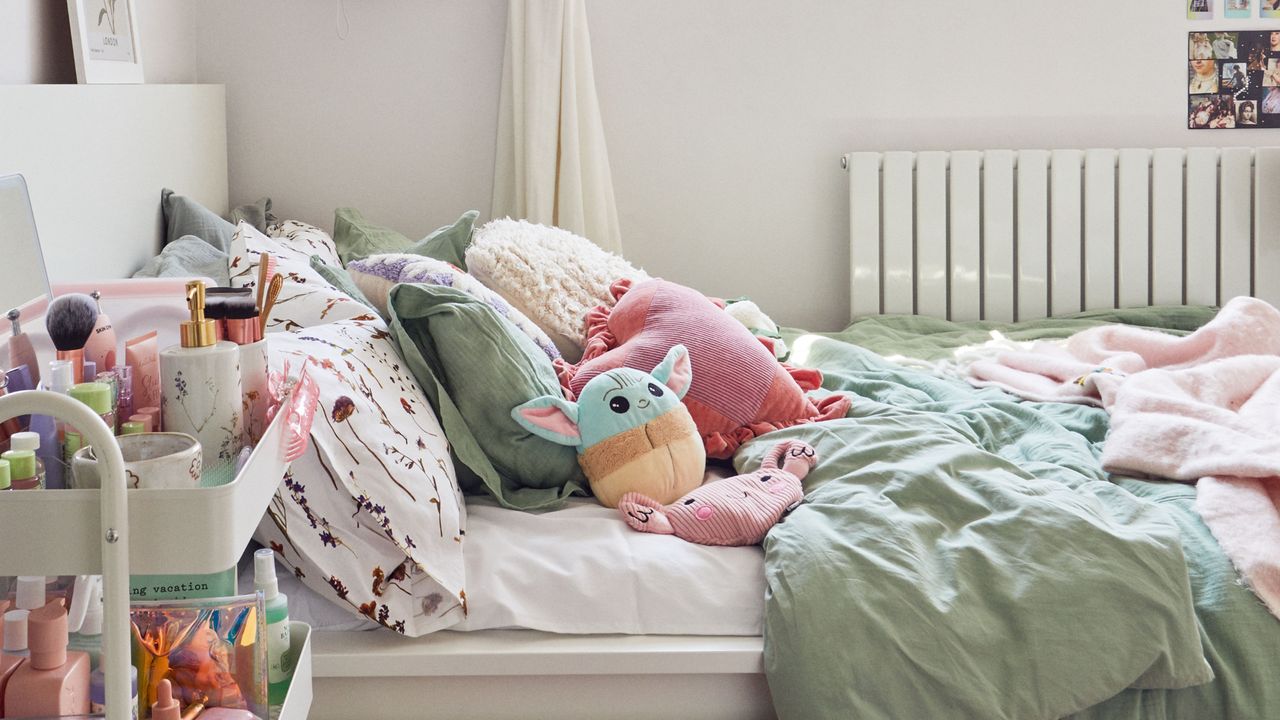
(280, 668)
(200, 386)
(52, 682)
(15, 648)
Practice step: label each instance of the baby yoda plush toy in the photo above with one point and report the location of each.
(734, 511)
(632, 432)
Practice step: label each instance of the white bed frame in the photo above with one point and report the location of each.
(998, 235)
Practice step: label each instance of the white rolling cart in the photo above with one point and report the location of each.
(114, 531)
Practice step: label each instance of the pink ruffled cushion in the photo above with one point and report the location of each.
(739, 389)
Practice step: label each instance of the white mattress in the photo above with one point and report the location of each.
(580, 569)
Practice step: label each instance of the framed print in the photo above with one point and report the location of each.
(1199, 9)
(1233, 79)
(1238, 9)
(104, 39)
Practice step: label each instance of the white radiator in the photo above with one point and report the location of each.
(1016, 235)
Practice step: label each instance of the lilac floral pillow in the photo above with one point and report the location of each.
(370, 516)
(376, 275)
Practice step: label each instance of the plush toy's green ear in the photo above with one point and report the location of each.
(550, 418)
(675, 371)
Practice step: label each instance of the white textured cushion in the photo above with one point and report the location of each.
(306, 299)
(370, 516)
(550, 275)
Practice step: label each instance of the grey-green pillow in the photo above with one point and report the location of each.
(357, 238)
(341, 279)
(257, 213)
(474, 367)
(188, 256)
(184, 216)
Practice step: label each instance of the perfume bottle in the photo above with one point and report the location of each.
(200, 386)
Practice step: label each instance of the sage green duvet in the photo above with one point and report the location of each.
(962, 555)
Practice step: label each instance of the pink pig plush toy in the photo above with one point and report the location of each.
(734, 511)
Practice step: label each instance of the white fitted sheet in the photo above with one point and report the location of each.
(580, 569)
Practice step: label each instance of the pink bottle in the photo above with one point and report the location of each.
(52, 681)
(15, 648)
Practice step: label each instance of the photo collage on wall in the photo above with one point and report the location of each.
(1233, 80)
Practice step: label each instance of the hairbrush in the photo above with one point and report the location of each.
(273, 292)
(70, 321)
(266, 270)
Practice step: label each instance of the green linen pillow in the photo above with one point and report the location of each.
(341, 279)
(474, 367)
(450, 242)
(357, 238)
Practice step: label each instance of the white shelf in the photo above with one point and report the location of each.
(165, 532)
(172, 531)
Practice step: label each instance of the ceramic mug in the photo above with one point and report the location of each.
(151, 460)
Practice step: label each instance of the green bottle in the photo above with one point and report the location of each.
(280, 665)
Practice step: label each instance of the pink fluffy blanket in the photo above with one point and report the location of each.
(1204, 408)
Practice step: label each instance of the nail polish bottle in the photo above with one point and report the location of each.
(5, 482)
(30, 592)
(98, 691)
(166, 705)
(52, 682)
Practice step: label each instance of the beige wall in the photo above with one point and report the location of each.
(725, 118)
(35, 41)
(394, 112)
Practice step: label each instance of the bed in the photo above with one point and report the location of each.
(944, 248)
(935, 237)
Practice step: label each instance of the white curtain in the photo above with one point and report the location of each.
(552, 166)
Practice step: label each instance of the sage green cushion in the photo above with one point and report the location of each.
(341, 279)
(474, 367)
(357, 238)
(450, 242)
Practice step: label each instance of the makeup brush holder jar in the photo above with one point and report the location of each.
(254, 374)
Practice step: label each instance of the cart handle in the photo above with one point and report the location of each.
(115, 531)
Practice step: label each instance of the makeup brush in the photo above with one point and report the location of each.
(273, 292)
(100, 348)
(233, 309)
(69, 321)
(20, 350)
